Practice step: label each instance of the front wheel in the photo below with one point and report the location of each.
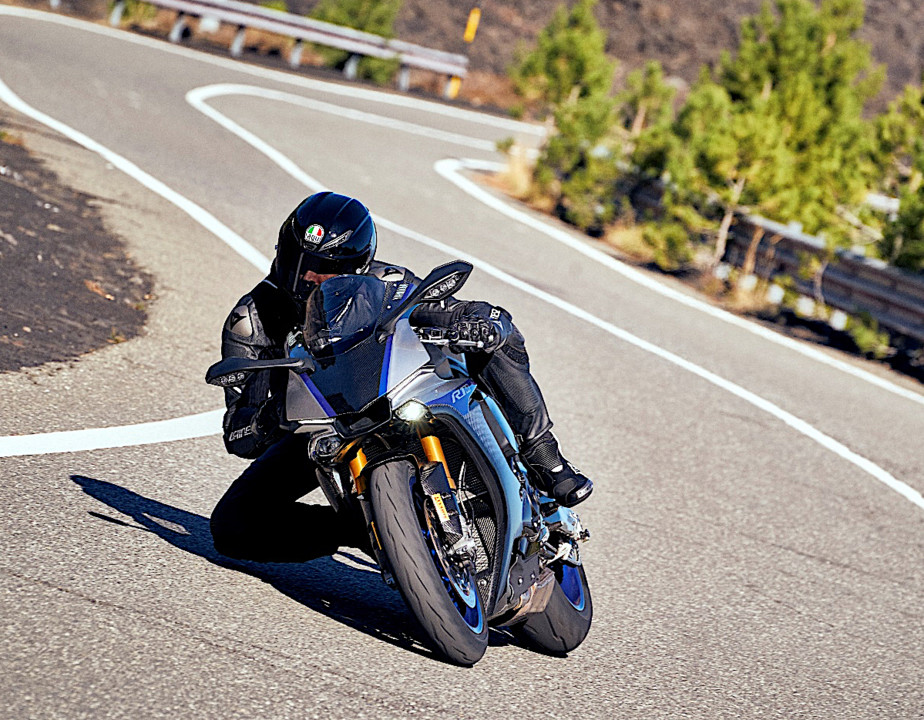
(565, 622)
(444, 599)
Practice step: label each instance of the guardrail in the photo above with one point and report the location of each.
(302, 29)
(852, 283)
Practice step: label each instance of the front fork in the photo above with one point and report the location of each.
(440, 489)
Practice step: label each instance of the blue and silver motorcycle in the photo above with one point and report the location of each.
(404, 437)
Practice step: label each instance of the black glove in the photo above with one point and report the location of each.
(269, 416)
(476, 335)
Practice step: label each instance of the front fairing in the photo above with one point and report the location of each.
(354, 368)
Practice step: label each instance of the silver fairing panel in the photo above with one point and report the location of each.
(407, 354)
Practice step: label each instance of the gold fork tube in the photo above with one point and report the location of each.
(356, 469)
(433, 449)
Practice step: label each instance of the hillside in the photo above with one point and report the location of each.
(682, 35)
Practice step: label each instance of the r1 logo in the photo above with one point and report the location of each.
(458, 394)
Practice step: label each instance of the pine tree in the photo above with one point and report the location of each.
(900, 139)
(813, 74)
(903, 238)
(568, 62)
(778, 130)
(647, 99)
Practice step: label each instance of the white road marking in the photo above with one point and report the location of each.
(198, 97)
(450, 168)
(204, 423)
(331, 88)
(161, 431)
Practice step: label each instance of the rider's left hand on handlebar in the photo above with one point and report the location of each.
(476, 334)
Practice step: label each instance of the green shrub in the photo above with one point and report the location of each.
(864, 330)
(504, 145)
(902, 241)
(670, 244)
(136, 11)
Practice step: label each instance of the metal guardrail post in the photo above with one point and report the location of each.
(404, 78)
(118, 8)
(237, 45)
(176, 32)
(55, 4)
(351, 69)
(295, 57)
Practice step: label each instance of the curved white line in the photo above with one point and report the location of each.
(199, 95)
(332, 88)
(192, 426)
(448, 168)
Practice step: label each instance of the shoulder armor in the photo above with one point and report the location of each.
(240, 321)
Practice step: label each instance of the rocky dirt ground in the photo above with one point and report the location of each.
(67, 285)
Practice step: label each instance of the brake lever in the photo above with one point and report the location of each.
(457, 343)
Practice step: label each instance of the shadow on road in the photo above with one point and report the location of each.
(355, 597)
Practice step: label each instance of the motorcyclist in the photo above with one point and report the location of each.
(327, 234)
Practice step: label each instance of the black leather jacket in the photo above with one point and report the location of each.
(257, 328)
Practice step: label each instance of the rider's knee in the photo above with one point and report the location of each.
(230, 533)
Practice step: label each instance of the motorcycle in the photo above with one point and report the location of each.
(404, 438)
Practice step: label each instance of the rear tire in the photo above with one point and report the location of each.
(457, 630)
(565, 622)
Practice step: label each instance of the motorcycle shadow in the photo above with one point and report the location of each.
(351, 593)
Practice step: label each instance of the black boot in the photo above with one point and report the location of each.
(555, 476)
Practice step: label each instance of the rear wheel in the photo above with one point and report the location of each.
(442, 597)
(565, 622)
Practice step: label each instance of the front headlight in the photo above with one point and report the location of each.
(412, 411)
(324, 446)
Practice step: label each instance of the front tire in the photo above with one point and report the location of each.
(453, 619)
(565, 622)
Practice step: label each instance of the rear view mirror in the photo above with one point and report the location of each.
(439, 284)
(235, 370)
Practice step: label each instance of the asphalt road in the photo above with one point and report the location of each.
(758, 533)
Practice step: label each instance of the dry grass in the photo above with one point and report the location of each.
(11, 139)
(484, 89)
(629, 239)
(517, 179)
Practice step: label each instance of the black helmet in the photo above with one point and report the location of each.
(327, 234)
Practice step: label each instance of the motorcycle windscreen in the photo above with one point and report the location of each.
(340, 323)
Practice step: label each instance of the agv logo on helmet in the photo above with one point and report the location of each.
(314, 236)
